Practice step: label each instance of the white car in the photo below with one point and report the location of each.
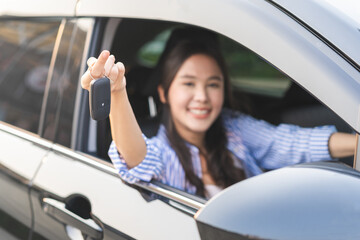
(295, 61)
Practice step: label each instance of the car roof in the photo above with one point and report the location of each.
(37, 8)
(263, 26)
(319, 15)
(339, 29)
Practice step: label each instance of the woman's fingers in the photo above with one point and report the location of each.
(109, 65)
(113, 73)
(117, 76)
(97, 69)
(91, 61)
(85, 80)
(105, 65)
(121, 68)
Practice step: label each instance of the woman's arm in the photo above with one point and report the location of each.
(342, 145)
(277, 146)
(125, 130)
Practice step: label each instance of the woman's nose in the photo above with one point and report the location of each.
(200, 94)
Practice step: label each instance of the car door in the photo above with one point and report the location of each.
(26, 49)
(75, 194)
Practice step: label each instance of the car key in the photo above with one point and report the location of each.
(99, 98)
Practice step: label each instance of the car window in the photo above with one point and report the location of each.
(248, 71)
(268, 93)
(26, 49)
(60, 106)
(259, 88)
(252, 74)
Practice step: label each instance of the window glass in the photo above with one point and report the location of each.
(62, 93)
(149, 53)
(25, 51)
(248, 72)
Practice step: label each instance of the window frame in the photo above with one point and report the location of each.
(307, 38)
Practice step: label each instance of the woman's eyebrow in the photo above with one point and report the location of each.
(188, 76)
(215, 77)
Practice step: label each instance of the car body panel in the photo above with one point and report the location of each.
(16, 173)
(37, 8)
(324, 18)
(114, 203)
(320, 197)
(19, 162)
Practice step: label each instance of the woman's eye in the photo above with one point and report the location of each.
(189, 84)
(214, 85)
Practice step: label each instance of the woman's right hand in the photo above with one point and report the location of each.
(102, 66)
(125, 130)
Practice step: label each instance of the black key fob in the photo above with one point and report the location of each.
(99, 98)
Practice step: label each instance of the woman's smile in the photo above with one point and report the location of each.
(200, 113)
(196, 96)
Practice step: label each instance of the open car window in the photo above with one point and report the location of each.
(248, 72)
(266, 92)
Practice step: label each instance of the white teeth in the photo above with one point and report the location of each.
(198, 111)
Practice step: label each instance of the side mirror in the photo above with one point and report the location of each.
(308, 201)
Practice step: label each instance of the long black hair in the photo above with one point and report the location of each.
(183, 43)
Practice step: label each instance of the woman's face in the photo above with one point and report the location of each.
(196, 95)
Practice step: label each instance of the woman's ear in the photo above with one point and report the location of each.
(161, 94)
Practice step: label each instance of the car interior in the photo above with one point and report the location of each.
(259, 88)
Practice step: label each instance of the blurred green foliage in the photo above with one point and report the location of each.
(247, 70)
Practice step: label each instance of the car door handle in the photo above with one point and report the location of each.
(57, 210)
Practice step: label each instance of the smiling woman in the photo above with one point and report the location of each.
(202, 142)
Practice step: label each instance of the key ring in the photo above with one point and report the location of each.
(90, 73)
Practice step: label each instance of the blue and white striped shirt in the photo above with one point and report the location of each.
(256, 143)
